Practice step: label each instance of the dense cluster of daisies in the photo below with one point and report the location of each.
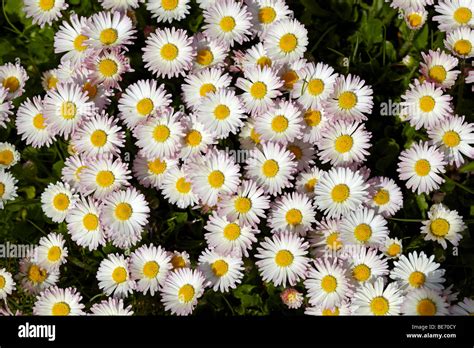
(244, 77)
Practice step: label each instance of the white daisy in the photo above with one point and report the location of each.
(392, 248)
(49, 79)
(120, 5)
(57, 200)
(303, 152)
(404, 4)
(70, 40)
(179, 259)
(460, 42)
(9, 156)
(44, 11)
(306, 181)
(224, 271)
(108, 30)
(255, 56)
(50, 252)
(111, 306)
(8, 188)
(385, 197)
(424, 302)
(376, 299)
(249, 139)
(30, 123)
(197, 138)
(415, 17)
(365, 264)
(443, 225)
(114, 276)
(96, 93)
(13, 78)
(286, 41)
(7, 284)
(291, 73)
(315, 122)
(168, 10)
(58, 302)
(363, 226)
(453, 14)
(265, 13)
(438, 67)
(209, 52)
(72, 170)
(107, 68)
(35, 279)
(325, 240)
(151, 172)
(177, 188)
(342, 310)
(5, 107)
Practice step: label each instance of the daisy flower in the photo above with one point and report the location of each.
(181, 291)
(443, 225)
(455, 138)
(344, 143)
(315, 85)
(365, 264)
(72, 170)
(340, 191)
(385, 197)
(272, 167)
(35, 279)
(283, 123)
(363, 226)
(70, 40)
(352, 99)
(282, 259)
(286, 41)
(168, 52)
(140, 100)
(114, 276)
(149, 266)
(460, 42)
(465, 307)
(292, 298)
(292, 212)
(13, 78)
(160, 136)
(265, 13)
(168, 10)
(49, 79)
(421, 167)
(221, 112)
(96, 93)
(178, 189)
(438, 67)
(108, 30)
(151, 172)
(111, 306)
(8, 188)
(98, 136)
(7, 284)
(303, 152)
(197, 138)
(454, 14)
(51, 252)
(325, 240)
(5, 106)
(228, 21)
(65, 108)
(201, 84)
(424, 302)
(291, 73)
(57, 200)
(58, 302)
(84, 224)
(224, 271)
(260, 86)
(342, 310)
(179, 259)
(315, 122)
(229, 236)
(417, 271)
(9, 156)
(255, 56)
(376, 299)
(44, 11)
(249, 139)
(327, 283)
(209, 52)
(306, 181)
(415, 18)
(107, 68)
(392, 248)
(125, 213)
(213, 175)
(104, 176)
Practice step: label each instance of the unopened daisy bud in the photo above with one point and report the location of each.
(292, 298)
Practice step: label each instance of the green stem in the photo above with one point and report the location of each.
(82, 265)
(406, 220)
(8, 20)
(228, 304)
(461, 186)
(407, 44)
(37, 227)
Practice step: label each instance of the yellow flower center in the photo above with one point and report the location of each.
(422, 167)
(38, 121)
(151, 269)
(279, 124)
(330, 312)
(340, 193)
(312, 117)
(46, 5)
(294, 217)
(315, 87)
(296, 151)
(232, 231)
(216, 179)
(108, 67)
(2, 282)
(193, 138)
(361, 272)
(258, 90)
(37, 274)
(204, 57)
(227, 24)
(310, 185)
(221, 112)
(379, 305)
(427, 103)
(169, 52)
(68, 110)
(79, 43)
(219, 268)
(169, 5)
(6, 157)
(416, 279)
(119, 275)
(363, 232)
(415, 20)
(438, 73)
(440, 227)
(11, 83)
(290, 78)
(61, 202)
(264, 61)
(123, 211)
(393, 249)
(462, 15)
(105, 178)
(186, 293)
(451, 139)
(347, 100)
(426, 307)
(242, 205)
(255, 136)
(267, 15)
(90, 89)
(284, 258)
(183, 186)
(343, 143)
(288, 43)
(161, 133)
(178, 261)
(382, 197)
(90, 222)
(52, 82)
(333, 242)
(270, 168)
(2, 189)
(157, 166)
(145, 106)
(54, 254)
(206, 89)
(108, 36)
(329, 283)
(463, 47)
(98, 138)
(61, 309)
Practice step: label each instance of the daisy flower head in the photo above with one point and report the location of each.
(464, 307)
(213, 175)
(454, 14)
(306, 181)
(120, 5)
(72, 170)
(70, 40)
(125, 213)
(364, 227)
(179, 259)
(222, 113)
(35, 279)
(415, 17)
(44, 11)
(84, 224)
(140, 100)
(227, 236)
(265, 13)
(424, 302)
(352, 99)
(151, 172)
(249, 139)
(65, 108)
(50, 252)
(5, 107)
(55, 301)
(342, 310)
(96, 93)
(160, 136)
(13, 78)
(8, 188)
(114, 276)
(460, 42)
(340, 191)
(291, 73)
(228, 21)
(365, 264)
(392, 248)
(107, 68)
(181, 291)
(168, 53)
(292, 298)
(344, 143)
(303, 152)
(9, 156)
(111, 306)
(104, 175)
(57, 200)
(223, 271)
(314, 125)
(405, 4)
(149, 266)
(377, 299)
(421, 166)
(272, 167)
(438, 67)
(201, 84)
(7, 284)
(417, 271)
(106, 30)
(327, 283)
(260, 86)
(292, 212)
(385, 197)
(178, 189)
(443, 225)
(282, 259)
(315, 85)
(455, 138)
(50, 79)
(325, 239)
(209, 52)
(99, 135)
(255, 56)
(286, 40)
(168, 10)
(197, 138)
(283, 123)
